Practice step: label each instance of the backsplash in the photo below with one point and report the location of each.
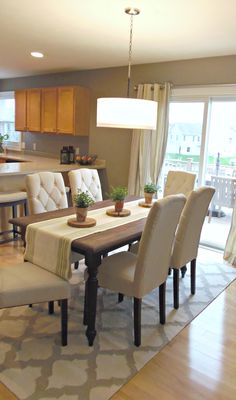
(51, 144)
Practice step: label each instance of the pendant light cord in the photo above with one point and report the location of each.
(130, 53)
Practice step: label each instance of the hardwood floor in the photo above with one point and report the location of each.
(198, 364)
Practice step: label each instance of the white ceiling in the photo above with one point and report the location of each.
(88, 34)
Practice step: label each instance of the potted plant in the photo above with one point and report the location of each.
(117, 195)
(2, 138)
(149, 190)
(81, 201)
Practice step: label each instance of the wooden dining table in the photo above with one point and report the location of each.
(93, 247)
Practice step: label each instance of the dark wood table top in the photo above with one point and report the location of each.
(100, 242)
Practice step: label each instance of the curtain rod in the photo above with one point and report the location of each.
(191, 86)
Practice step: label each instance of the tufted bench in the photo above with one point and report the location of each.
(26, 283)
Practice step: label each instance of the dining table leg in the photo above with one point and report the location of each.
(92, 262)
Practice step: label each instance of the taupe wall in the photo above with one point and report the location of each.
(113, 145)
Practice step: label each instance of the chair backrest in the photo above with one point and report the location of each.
(190, 225)
(155, 246)
(45, 192)
(85, 179)
(179, 182)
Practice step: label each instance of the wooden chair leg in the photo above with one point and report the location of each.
(176, 288)
(64, 321)
(76, 265)
(137, 321)
(120, 297)
(183, 271)
(14, 214)
(50, 307)
(193, 276)
(162, 303)
(85, 321)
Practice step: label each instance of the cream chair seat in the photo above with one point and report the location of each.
(136, 275)
(26, 283)
(179, 182)
(86, 180)
(46, 192)
(188, 235)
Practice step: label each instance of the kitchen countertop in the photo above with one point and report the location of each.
(29, 163)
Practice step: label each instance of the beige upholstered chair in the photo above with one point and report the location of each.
(85, 179)
(179, 182)
(46, 192)
(188, 235)
(137, 274)
(27, 283)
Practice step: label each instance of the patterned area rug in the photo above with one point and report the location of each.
(35, 366)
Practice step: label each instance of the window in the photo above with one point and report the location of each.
(7, 120)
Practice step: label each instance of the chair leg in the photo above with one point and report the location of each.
(137, 321)
(120, 297)
(193, 276)
(14, 214)
(76, 265)
(176, 288)
(183, 271)
(25, 208)
(162, 303)
(64, 321)
(51, 307)
(85, 321)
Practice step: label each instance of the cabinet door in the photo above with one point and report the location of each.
(49, 110)
(20, 110)
(66, 110)
(34, 110)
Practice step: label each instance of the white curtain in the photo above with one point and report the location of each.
(230, 247)
(148, 146)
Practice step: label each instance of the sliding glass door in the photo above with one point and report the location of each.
(202, 139)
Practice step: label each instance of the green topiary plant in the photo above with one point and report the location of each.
(83, 199)
(150, 188)
(118, 193)
(2, 138)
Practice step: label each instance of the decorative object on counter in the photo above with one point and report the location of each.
(65, 155)
(81, 201)
(71, 151)
(117, 195)
(86, 159)
(149, 190)
(2, 138)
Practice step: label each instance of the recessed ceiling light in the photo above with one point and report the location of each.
(36, 54)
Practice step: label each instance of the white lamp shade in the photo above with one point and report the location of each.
(129, 113)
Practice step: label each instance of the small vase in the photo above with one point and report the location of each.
(81, 214)
(119, 206)
(148, 197)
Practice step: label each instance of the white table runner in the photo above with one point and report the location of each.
(48, 243)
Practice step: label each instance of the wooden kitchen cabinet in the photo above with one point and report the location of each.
(73, 111)
(20, 110)
(63, 110)
(28, 110)
(49, 110)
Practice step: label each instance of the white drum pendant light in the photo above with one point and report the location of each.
(130, 113)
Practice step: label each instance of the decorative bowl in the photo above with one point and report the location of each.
(86, 159)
